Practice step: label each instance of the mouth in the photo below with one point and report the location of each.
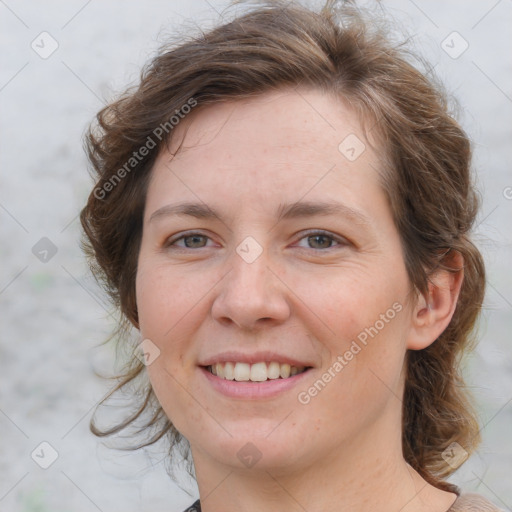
(256, 372)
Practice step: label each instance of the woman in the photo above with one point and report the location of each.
(282, 211)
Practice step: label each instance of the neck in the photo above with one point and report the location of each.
(355, 477)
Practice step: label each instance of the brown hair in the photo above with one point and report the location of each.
(426, 177)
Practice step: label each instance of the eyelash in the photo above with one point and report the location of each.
(339, 240)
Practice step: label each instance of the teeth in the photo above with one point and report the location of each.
(273, 370)
(219, 371)
(284, 371)
(229, 371)
(242, 371)
(257, 372)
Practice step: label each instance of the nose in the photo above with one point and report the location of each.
(251, 295)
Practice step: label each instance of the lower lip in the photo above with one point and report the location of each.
(252, 390)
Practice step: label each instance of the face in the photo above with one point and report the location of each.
(271, 280)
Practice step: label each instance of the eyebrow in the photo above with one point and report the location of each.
(309, 208)
(197, 210)
(296, 210)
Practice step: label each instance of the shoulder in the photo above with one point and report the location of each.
(473, 503)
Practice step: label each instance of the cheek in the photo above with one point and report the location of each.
(354, 301)
(171, 306)
(362, 380)
(165, 298)
(175, 398)
(161, 307)
(364, 321)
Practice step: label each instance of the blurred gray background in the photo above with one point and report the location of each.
(60, 61)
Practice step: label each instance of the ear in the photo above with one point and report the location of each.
(434, 309)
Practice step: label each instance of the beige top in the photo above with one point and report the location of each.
(473, 503)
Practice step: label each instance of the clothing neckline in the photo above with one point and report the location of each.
(470, 501)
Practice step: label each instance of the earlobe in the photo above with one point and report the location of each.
(434, 309)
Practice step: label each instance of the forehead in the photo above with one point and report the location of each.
(302, 119)
(283, 144)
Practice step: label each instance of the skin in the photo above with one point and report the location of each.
(305, 296)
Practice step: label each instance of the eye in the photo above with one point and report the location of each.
(189, 241)
(319, 240)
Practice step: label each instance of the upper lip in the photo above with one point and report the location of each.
(254, 357)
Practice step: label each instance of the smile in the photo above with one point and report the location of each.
(257, 372)
(256, 381)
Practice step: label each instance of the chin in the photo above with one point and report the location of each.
(256, 445)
